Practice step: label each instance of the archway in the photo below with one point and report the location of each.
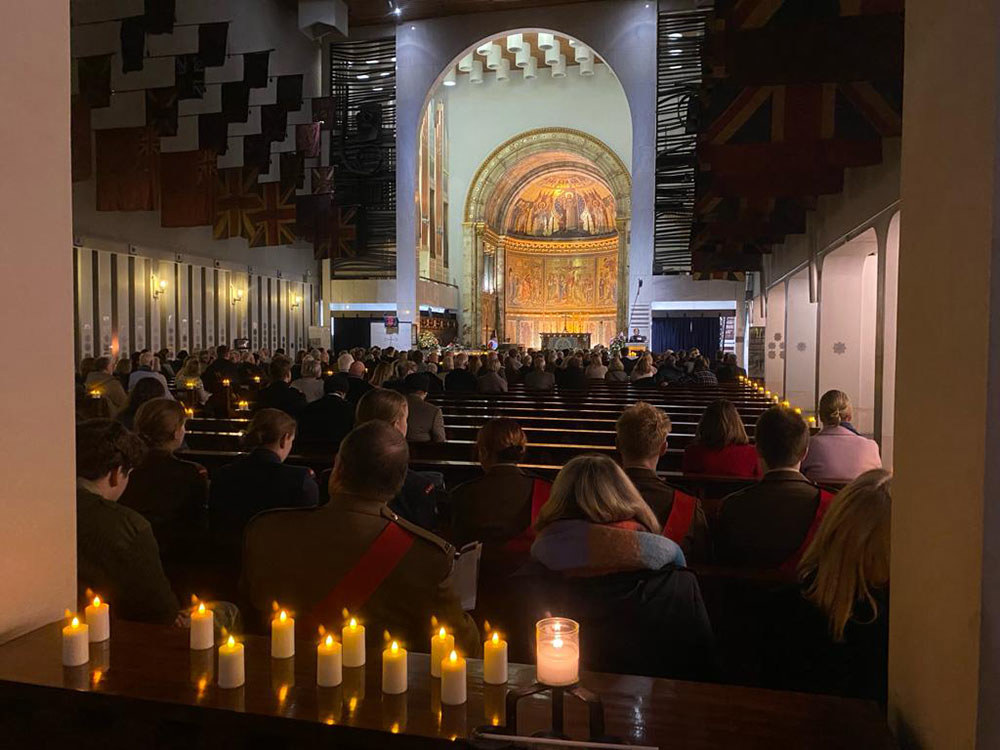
(554, 204)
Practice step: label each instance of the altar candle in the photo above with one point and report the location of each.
(329, 663)
(76, 643)
(394, 677)
(354, 644)
(558, 646)
(282, 636)
(231, 672)
(495, 660)
(442, 644)
(453, 680)
(202, 628)
(98, 616)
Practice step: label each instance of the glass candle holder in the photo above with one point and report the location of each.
(557, 641)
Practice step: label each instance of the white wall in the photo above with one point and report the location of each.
(255, 25)
(800, 349)
(37, 501)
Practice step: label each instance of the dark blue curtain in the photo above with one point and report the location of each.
(351, 332)
(686, 333)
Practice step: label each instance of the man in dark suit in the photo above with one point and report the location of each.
(328, 420)
(765, 525)
(356, 380)
(117, 554)
(220, 369)
(302, 557)
(424, 421)
(573, 376)
(641, 438)
(460, 379)
(280, 394)
(538, 378)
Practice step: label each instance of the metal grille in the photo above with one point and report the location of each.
(363, 150)
(680, 38)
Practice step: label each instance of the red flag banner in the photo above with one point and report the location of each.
(237, 192)
(127, 169)
(340, 238)
(307, 139)
(82, 161)
(187, 188)
(274, 221)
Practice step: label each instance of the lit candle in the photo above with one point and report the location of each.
(282, 636)
(798, 410)
(231, 673)
(495, 660)
(558, 645)
(442, 644)
(394, 676)
(453, 680)
(98, 616)
(256, 378)
(76, 643)
(354, 644)
(329, 663)
(225, 382)
(202, 628)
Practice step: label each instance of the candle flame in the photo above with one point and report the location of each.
(557, 643)
(282, 693)
(75, 623)
(329, 641)
(496, 637)
(231, 642)
(394, 647)
(496, 720)
(395, 727)
(283, 616)
(201, 608)
(442, 633)
(97, 601)
(353, 623)
(453, 657)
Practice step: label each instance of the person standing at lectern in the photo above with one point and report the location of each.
(636, 337)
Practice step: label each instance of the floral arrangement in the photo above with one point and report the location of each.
(617, 344)
(427, 340)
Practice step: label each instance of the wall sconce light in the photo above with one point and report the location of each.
(296, 301)
(237, 297)
(159, 287)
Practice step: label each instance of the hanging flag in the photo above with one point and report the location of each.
(307, 140)
(236, 193)
(257, 152)
(189, 77)
(82, 153)
(213, 132)
(187, 188)
(161, 110)
(127, 169)
(133, 39)
(274, 222)
(322, 180)
(236, 101)
(324, 112)
(255, 69)
(160, 17)
(311, 212)
(292, 170)
(273, 122)
(94, 74)
(289, 93)
(339, 238)
(212, 43)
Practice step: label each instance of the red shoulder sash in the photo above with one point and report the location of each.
(353, 590)
(539, 496)
(680, 518)
(792, 563)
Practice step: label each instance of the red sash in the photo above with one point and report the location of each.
(792, 563)
(539, 496)
(372, 568)
(681, 516)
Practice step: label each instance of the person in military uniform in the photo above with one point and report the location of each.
(280, 394)
(327, 421)
(356, 554)
(257, 482)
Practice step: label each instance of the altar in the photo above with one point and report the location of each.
(565, 340)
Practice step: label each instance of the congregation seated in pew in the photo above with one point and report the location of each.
(279, 394)
(721, 446)
(327, 421)
(425, 421)
(145, 390)
(837, 453)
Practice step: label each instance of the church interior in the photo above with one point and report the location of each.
(501, 373)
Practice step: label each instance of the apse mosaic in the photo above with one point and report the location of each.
(562, 205)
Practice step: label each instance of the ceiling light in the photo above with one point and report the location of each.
(465, 64)
(449, 79)
(559, 69)
(476, 74)
(553, 53)
(675, 35)
(545, 40)
(515, 42)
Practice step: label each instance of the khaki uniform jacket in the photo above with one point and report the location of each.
(297, 557)
(425, 423)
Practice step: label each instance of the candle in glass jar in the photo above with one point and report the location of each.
(98, 615)
(282, 636)
(495, 660)
(394, 677)
(75, 643)
(354, 644)
(453, 680)
(329, 663)
(202, 628)
(558, 646)
(442, 644)
(231, 671)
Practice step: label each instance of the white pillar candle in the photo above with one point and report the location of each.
(558, 645)
(98, 616)
(453, 680)
(329, 663)
(282, 636)
(394, 677)
(231, 671)
(202, 628)
(442, 644)
(75, 644)
(354, 644)
(495, 660)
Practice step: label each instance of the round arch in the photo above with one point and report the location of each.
(498, 178)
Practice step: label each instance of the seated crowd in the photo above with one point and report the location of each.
(609, 543)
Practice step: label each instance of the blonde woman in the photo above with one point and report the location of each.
(600, 557)
(189, 379)
(832, 636)
(616, 371)
(384, 372)
(838, 453)
(643, 369)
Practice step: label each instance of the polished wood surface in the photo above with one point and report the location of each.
(148, 669)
